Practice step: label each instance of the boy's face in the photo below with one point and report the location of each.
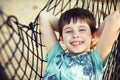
(77, 37)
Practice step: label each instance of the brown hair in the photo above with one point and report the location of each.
(77, 13)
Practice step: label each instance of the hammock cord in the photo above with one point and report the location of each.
(28, 48)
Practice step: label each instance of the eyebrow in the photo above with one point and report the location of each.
(67, 28)
(81, 26)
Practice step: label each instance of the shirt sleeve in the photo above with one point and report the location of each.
(98, 60)
(55, 50)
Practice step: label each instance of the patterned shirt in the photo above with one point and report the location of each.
(65, 66)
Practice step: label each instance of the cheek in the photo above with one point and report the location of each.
(66, 38)
(88, 38)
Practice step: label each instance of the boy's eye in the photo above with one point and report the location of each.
(69, 31)
(82, 30)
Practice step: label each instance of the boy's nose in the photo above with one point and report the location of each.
(76, 36)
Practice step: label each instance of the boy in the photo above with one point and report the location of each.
(78, 33)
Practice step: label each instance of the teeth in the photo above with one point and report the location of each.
(76, 43)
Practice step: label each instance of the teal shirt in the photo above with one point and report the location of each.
(64, 66)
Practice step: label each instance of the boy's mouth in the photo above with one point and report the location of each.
(76, 43)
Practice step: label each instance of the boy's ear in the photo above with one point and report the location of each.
(94, 40)
(61, 39)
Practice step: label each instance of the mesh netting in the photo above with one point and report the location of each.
(21, 48)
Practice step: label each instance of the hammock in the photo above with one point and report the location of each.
(22, 49)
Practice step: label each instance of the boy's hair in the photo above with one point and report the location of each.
(77, 13)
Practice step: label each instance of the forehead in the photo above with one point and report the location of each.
(77, 22)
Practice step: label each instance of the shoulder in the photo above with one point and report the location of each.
(54, 51)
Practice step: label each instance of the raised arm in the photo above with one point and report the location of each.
(48, 23)
(108, 33)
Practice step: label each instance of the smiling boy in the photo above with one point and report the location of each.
(77, 29)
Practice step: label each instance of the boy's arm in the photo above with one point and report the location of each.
(48, 23)
(107, 34)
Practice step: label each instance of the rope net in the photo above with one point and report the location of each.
(22, 50)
